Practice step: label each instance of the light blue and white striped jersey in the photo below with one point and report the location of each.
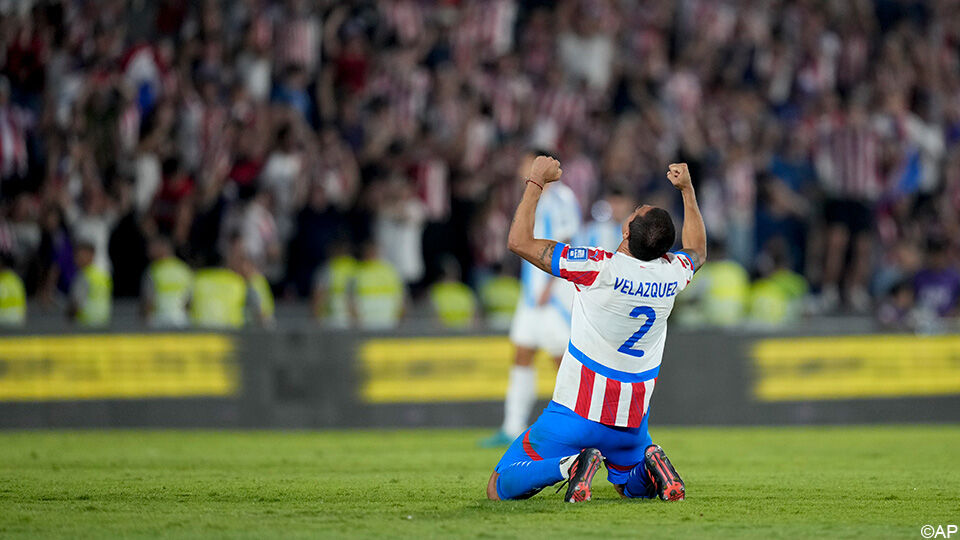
(558, 218)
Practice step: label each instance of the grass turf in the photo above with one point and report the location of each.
(859, 482)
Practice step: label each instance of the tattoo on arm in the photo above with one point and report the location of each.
(546, 254)
(694, 258)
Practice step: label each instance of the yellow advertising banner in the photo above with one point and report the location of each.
(856, 367)
(48, 368)
(421, 370)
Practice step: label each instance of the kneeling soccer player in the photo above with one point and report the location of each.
(619, 324)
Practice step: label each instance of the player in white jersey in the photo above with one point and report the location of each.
(608, 373)
(542, 318)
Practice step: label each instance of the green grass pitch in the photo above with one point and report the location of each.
(843, 482)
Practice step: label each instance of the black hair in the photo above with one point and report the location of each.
(170, 167)
(284, 133)
(937, 244)
(651, 234)
(247, 192)
(539, 151)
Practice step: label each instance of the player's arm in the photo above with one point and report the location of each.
(537, 251)
(694, 234)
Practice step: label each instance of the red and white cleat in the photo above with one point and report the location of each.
(668, 483)
(582, 470)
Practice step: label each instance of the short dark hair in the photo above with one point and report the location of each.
(651, 235)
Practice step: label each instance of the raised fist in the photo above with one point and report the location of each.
(679, 176)
(545, 169)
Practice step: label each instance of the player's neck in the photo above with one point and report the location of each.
(624, 248)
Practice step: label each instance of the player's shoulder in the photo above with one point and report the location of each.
(683, 258)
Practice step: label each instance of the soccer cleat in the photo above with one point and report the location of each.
(581, 475)
(496, 440)
(666, 479)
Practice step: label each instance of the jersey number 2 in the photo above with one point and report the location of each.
(627, 347)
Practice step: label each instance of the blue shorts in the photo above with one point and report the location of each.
(560, 432)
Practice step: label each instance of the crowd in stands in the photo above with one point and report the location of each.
(283, 139)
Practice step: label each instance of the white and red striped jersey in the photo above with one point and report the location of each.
(484, 30)
(13, 142)
(298, 42)
(848, 160)
(618, 330)
(405, 17)
(565, 107)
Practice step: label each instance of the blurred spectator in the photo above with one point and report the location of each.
(379, 296)
(850, 169)
(262, 302)
(91, 291)
(580, 173)
(230, 295)
(784, 198)
(283, 176)
(14, 123)
(54, 269)
(936, 287)
(260, 234)
(166, 287)
(777, 297)
(13, 297)
(172, 209)
(319, 226)
(453, 302)
(499, 296)
(718, 295)
(334, 289)
(586, 46)
(128, 245)
(398, 228)
(896, 311)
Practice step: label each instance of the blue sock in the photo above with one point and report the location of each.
(525, 479)
(638, 484)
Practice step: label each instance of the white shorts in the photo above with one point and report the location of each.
(540, 327)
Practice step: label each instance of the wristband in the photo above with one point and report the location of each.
(533, 182)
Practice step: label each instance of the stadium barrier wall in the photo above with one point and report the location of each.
(311, 378)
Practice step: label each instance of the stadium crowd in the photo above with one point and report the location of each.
(273, 137)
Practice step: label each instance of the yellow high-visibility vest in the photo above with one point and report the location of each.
(341, 273)
(379, 295)
(795, 288)
(219, 298)
(262, 288)
(769, 305)
(727, 290)
(13, 299)
(499, 297)
(172, 280)
(94, 309)
(793, 284)
(454, 304)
